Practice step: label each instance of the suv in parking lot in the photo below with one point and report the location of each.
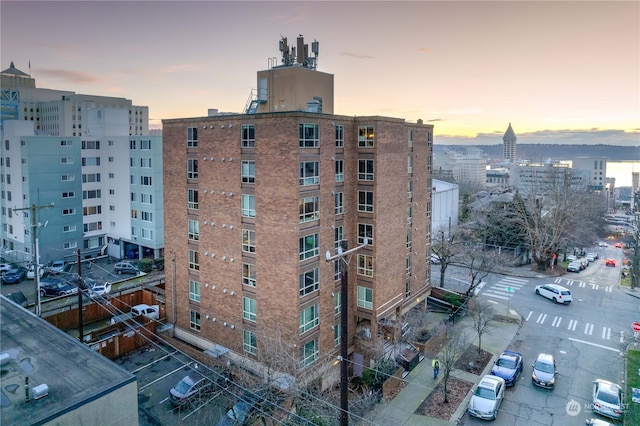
(125, 268)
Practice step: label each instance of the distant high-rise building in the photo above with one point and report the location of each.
(509, 145)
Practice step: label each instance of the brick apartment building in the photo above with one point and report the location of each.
(254, 200)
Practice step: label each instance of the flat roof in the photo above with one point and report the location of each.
(31, 347)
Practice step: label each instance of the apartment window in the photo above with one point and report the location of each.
(192, 137)
(410, 138)
(67, 212)
(134, 214)
(408, 266)
(365, 201)
(339, 203)
(409, 239)
(365, 136)
(145, 180)
(309, 209)
(309, 173)
(146, 216)
(248, 171)
(338, 236)
(337, 334)
(337, 302)
(339, 136)
(90, 144)
(339, 170)
(132, 162)
(428, 208)
(134, 231)
(409, 215)
(87, 161)
(365, 169)
(68, 177)
(309, 135)
(248, 136)
(66, 143)
(249, 342)
(309, 246)
(93, 243)
(407, 289)
(93, 226)
(111, 159)
(134, 196)
(70, 245)
(249, 311)
(429, 136)
(145, 163)
(194, 320)
(192, 199)
(309, 282)
(69, 228)
(248, 205)
(365, 230)
(409, 163)
(249, 274)
(68, 194)
(409, 189)
(194, 290)
(336, 271)
(94, 193)
(309, 353)
(67, 160)
(145, 144)
(91, 210)
(132, 144)
(194, 262)
(309, 318)
(91, 177)
(147, 234)
(112, 175)
(194, 230)
(365, 297)
(146, 198)
(7, 161)
(248, 241)
(365, 265)
(192, 168)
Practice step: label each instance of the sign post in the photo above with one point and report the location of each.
(509, 290)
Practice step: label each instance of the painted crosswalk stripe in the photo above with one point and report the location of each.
(606, 333)
(588, 329)
(541, 318)
(559, 280)
(607, 289)
(529, 316)
(583, 284)
(556, 322)
(515, 280)
(572, 325)
(494, 295)
(621, 336)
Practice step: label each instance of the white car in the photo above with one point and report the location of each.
(100, 290)
(4, 267)
(603, 244)
(486, 399)
(555, 292)
(607, 399)
(57, 266)
(31, 273)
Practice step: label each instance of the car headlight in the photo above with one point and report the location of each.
(552, 381)
(534, 377)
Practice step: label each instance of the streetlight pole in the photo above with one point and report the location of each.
(344, 325)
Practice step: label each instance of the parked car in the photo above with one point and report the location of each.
(4, 267)
(603, 244)
(544, 371)
(487, 397)
(607, 399)
(125, 268)
(435, 260)
(31, 273)
(572, 258)
(618, 245)
(100, 290)
(508, 366)
(13, 276)
(591, 257)
(574, 267)
(56, 288)
(242, 411)
(57, 266)
(610, 262)
(555, 292)
(593, 254)
(583, 263)
(191, 385)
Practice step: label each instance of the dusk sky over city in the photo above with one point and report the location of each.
(560, 72)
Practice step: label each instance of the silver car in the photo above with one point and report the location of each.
(486, 399)
(544, 371)
(607, 399)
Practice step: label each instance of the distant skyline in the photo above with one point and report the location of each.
(560, 72)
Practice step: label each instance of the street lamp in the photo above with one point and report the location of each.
(344, 324)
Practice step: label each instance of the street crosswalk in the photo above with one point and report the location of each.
(505, 288)
(573, 325)
(568, 282)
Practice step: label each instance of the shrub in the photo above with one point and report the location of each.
(145, 265)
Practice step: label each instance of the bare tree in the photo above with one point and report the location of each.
(479, 263)
(454, 345)
(482, 318)
(445, 248)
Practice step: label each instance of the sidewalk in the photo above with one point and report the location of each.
(400, 410)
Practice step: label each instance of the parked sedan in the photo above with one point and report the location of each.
(100, 290)
(13, 276)
(487, 397)
(607, 399)
(508, 366)
(555, 292)
(56, 288)
(574, 267)
(544, 371)
(31, 273)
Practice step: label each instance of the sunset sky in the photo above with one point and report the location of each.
(550, 68)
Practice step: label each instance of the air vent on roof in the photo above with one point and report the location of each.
(4, 358)
(40, 391)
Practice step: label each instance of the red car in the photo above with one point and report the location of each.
(610, 262)
(618, 245)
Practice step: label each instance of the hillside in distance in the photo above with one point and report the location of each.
(539, 152)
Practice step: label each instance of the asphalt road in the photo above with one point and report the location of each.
(587, 338)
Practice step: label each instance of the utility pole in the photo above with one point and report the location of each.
(344, 326)
(36, 257)
(80, 321)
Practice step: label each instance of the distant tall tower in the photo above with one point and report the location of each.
(509, 146)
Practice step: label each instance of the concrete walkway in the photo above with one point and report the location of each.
(420, 382)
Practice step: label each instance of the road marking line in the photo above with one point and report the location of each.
(556, 321)
(559, 280)
(594, 344)
(529, 316)
(588, 329)
(583, 284)
(495, 296)
(541, 318)
(608, 289)
(609, 333)
(515, 280)
(621, 336)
